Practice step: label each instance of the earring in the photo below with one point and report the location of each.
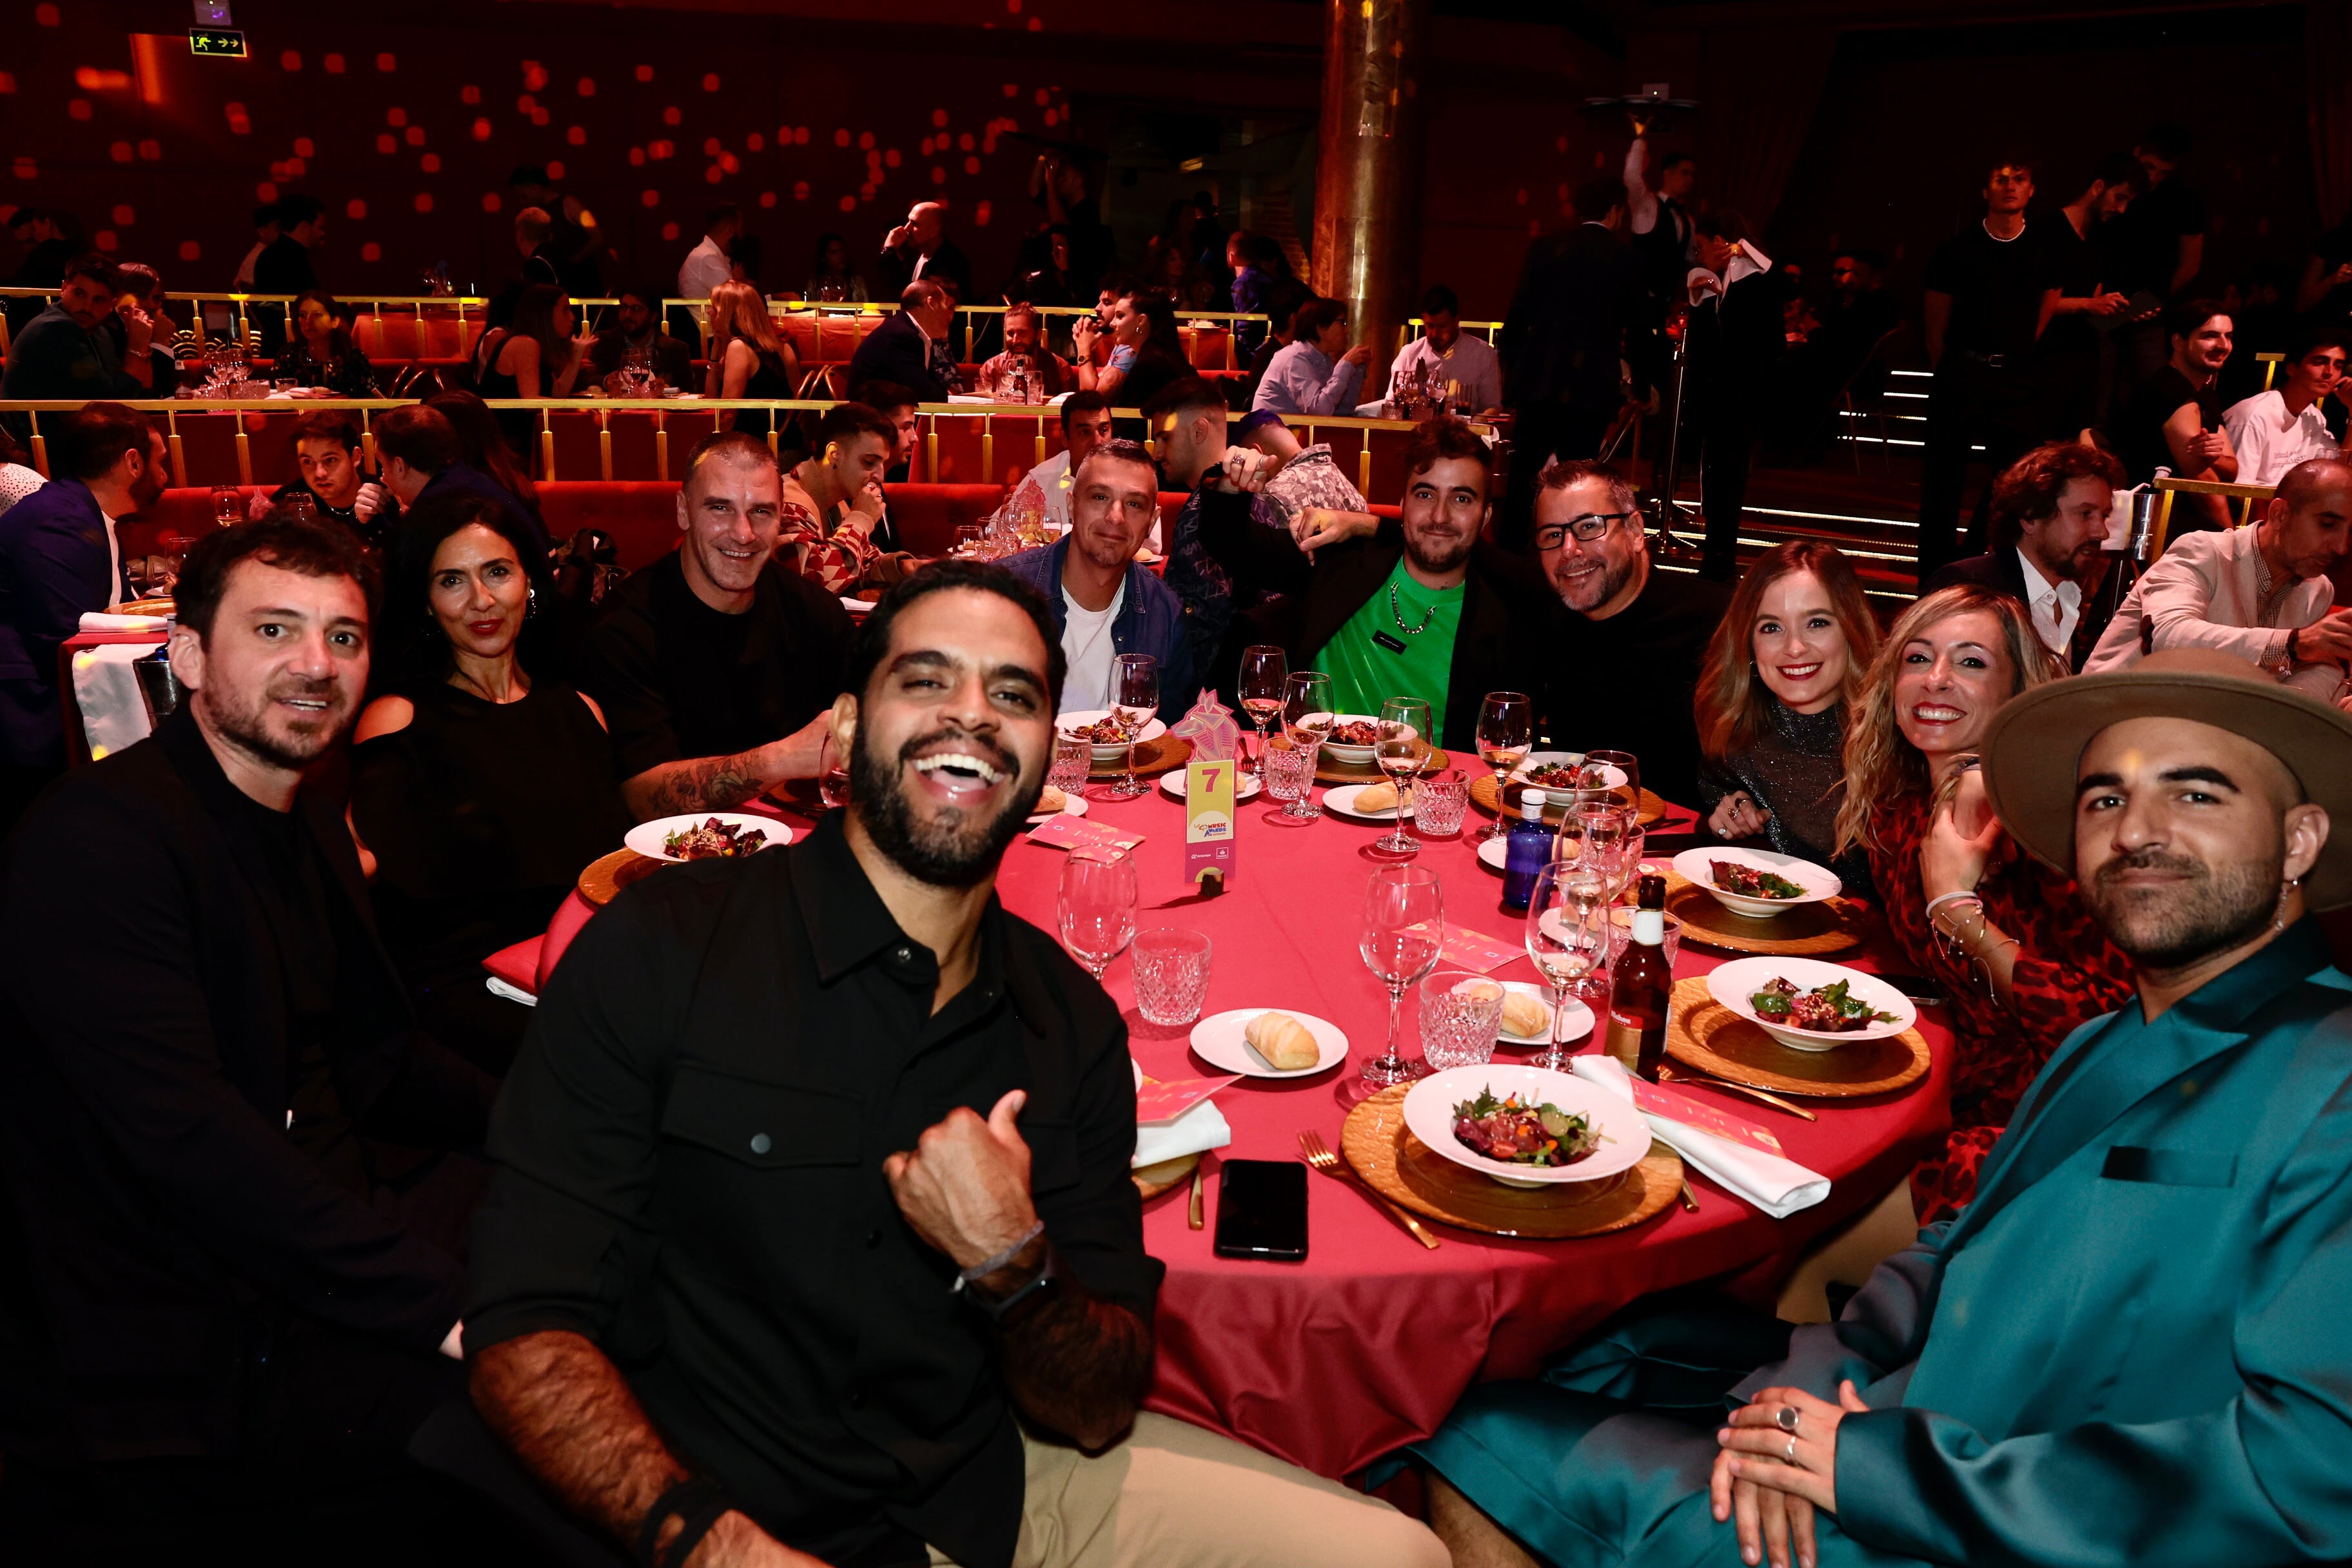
(530, 602)
(2278, 917)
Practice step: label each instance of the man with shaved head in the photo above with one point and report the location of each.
(2261, 594)
(920, 247)
(899, 349)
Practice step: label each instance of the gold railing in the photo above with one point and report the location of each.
(1413, 325)
(2167, 487)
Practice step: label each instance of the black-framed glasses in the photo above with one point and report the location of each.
(1587, 529)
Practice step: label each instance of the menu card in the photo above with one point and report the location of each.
(1472, 950)
(1167, 1102)
(1655, 1100)
(1207, 819)
(1063, 831)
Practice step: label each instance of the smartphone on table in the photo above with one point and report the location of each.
(1261, 1209)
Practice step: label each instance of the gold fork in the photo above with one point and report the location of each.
(1667, 1074)
(1311, 1145)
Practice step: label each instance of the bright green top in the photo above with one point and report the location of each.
(1365, 673)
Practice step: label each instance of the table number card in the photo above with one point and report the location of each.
(1166, 1101)
(1653, 1099)
(1473, 949)
(1063, 831)
(1209, 820)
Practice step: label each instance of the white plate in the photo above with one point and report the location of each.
(1173, 782)
(1072, 806)
(1819, 881)
(1354, 756)
(1343, 801)
(1429, 1112)
(1611, 778)
(1732, 984)
(1218, 1039)
(1494, 853)
(1576, 1018)
(647, 837)
(1105, 751)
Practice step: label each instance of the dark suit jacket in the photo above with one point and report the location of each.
(898, 351)
(1566, 330)
(54, 564)
(898, 268)
(1735, 339)
(2003, 573)
(162, 1225)
(1497, 646)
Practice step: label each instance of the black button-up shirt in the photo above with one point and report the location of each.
(689, 1172)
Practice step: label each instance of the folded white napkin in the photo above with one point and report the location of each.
(104, 621)
(113, 714)
(1777, 1186)
(1201, 1128)
(499, 987)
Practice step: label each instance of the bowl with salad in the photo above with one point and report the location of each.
(1756, 883)
(1526, 1126)
(1810, 1005)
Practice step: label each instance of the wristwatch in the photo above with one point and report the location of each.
(1042, 1287)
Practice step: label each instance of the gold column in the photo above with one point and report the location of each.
(1368, 166)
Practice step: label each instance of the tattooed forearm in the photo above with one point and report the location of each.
(698, 784)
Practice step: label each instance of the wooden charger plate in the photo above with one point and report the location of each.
(1809, 930)
(1483, 794)
(1703, 1032)
(1398, 1165)
(602, 882)
(1152, 758)
(1328, 771)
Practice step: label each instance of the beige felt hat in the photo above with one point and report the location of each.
(2036, 740)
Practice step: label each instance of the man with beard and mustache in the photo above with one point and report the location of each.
(1623, 670)
(812, 1238)
(1421, 607)
(2048, 533)
(235, 1229)
(2129, 1347)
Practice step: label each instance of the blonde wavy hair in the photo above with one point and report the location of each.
(1732, 703)
(1881, 765)
(739, 309)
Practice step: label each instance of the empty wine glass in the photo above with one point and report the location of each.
(1264, 671)
(832, 774)
(1567, 939)
(1405, 926)
(1506, 731)
(229, 506)
(1134, 699)
(1600, 770)
(1307, 721)
(1097, 904)
(1402, 750)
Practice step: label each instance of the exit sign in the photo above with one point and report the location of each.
(223, 43)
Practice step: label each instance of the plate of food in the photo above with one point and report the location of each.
(1526, 1126)
(1566, 770)
(1353, 738)
(1172, 783)
(1367, 803)
(1055, 803)
(1262, 1042)
(1527, 1015)
(1097, 725)
(1756, 883)
(1810, 1005)
(707, 835)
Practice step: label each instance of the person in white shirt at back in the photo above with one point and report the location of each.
(2272, 431)
(1046, 488)
(265, 234)
(706, 265)
(1443, 353)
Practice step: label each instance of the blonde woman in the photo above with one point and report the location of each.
(749, 358)
(1772, 701)
(2008, 939)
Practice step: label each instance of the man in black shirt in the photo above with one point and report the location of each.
(327, 456)
(812, 1222)
(635, 328)
(285, 266)
(716, 667)
(1626, 660)
(2174, 420)
(1990, 290)
(1737, 340)
(2078, 343)
(2159, 243)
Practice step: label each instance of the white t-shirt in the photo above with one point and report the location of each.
(2268, 443)
(1085, 642)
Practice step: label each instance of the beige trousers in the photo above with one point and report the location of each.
(1173, 1496)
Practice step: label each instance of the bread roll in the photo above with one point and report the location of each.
(1522, 1016)
(1382, 796)
(1052, 799)
(1283, 1041)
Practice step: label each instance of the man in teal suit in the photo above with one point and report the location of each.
(2131, 1348)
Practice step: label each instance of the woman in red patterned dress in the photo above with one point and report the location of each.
(2009, 939)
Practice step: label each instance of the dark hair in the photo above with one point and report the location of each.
(749, 255)
(1079, 403)
(1868, 256)
(2028, 490)
(739, 445)
(2116, 169)
(95, 268)
(416, 650)
(825, 242)
(339, 339)
(643, 295)
(1597, 196)
(845, 422)
(1189, 395)
(1160, 311)
(2183, 317)
(138, 279)
(1563, 472)
(93, 438)
(1116, 284)
(881, 395)
(1674, 161)
(295, 211)
(291, 543)
(265, 215)
(418, 435)
(2012, 158)
(1119, 451)
(1437, 299)
(2314, 336)
(534, 318)
(9, 451)
(2169, 141)
(721, 212)
(481, 443)
(1445, 438)
(1308, 321)
(873, 639)
(1723, 224)
(528, 174)
(325, 425)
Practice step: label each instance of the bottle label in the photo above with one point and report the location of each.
(1650, 927)
(1623, 1041)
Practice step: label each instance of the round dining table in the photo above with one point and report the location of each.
(1333, 1362)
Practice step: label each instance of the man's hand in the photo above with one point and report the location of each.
(1317, 526)
(2326, 640)
(965, 1186)
(1361, 354)
(736, 1543)
(369, 502)
(2211, 446)
(1737, 816)
(1082, 334)
(1768, 1480)
(2109, 304)
(898, 236)
(1244, 472)
(137, 324)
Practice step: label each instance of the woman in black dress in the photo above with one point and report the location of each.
(748, 357)
(478, 793)
(321, 353)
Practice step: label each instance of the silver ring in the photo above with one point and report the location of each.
(1792, 1451)
(1785, 1419)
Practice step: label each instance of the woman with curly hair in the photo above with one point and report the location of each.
(2009, 938)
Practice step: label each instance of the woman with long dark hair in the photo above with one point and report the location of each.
(832, 276)
(482, 444)
(320, 352)
(1143, 356)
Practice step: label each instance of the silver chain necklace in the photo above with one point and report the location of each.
(1396, 611)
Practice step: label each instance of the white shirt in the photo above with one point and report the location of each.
(2206, 591)
(1472, 360)
(706, 267)
(2057, 607)
(16, 482)
(117, 588)
(2269, 443)
(244, 279)
(1085, 642)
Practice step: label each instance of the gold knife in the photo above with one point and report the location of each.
(1200, 1177)
(1767, 1097)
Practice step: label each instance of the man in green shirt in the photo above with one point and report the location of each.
(1421, 607)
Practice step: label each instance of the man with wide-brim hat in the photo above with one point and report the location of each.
(2130, 1348)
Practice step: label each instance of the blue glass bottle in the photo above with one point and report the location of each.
(1525, 852)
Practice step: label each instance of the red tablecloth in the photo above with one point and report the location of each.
(1367, 1344)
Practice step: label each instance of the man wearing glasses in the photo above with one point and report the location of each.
(1647, 629)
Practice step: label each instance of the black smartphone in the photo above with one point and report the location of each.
(1918, 988)
(1261, 1209)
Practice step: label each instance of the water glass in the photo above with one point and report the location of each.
(1074, 760)
(1402, 752)
(968, 538)
(1405, 927)
(1461, 1017)
(1437, 804)
(1507, 730)
(1307, 721)
(832, 774)
(1096, 906)
(1291, 778)
(1172, 974)
(1620, 932)
(1134, 698)
(228, 505)
(1567, 941)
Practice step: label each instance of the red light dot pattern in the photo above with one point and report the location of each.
(106, 239)
(190, 251)
(123, 217)
(972, 165)
(669, 231)
(927, 146)
(1052, 117)
(387, 143)
(713, 174)
(371, 251)
(938, 175)
(1012, 90)
(386, 64)
(78, 108)
(841, 138)
(963, 142)
(671, 115)
(800, 190)
(469, 94)
(525, 104)
(645, 73)
(266, 191)
(45, 14)
(586, 87)
(424, 202)
(650, 198)
(710, 82)
(121, 152)
(637, 157)
(355, 209)
(7, 82)
(491, 202)
(866, 139)
(982, 212)
(481, 130)
(333, 64)
(430, 162)
(291, 60)
(150, 148)
(305, 148)
(555, 168)
(938, 117)
(538, 117)
(767, 198)
(415, 135)
(396, 118)
(576, 135)
(534, 76)
(849, 204)
(800, 135)
(711, 146)
(26, 169)
(754, 142)
(1043, 98)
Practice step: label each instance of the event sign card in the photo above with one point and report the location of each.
(1653, 1099)
(1472, 950)
(1063, 831)
(1207, 819)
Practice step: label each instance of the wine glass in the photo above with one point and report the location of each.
(1134, 699)
(1097, 904)
(1405, 926)
(832, 774)
(1630, 792)
(1567, 939)
(1307, 720)
(1506, 731)
(229, 506)
(1264, 672)
(1402, 750)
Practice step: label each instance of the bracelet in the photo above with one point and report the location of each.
(987, 1267)
(699, 1503)
(1940, 900)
